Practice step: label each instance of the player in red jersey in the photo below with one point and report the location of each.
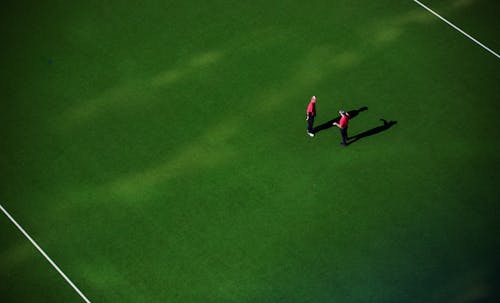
(342, 125)
(310, 114)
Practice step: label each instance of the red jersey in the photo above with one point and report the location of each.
(343, 121)
(311, 108)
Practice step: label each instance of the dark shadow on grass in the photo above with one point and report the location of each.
(353, 113)
(372, 131)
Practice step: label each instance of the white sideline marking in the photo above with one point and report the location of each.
(458, 29)
(45, 255)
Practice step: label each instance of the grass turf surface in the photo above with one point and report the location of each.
(158, 152)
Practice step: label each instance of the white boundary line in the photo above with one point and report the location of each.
(44, 254)
(458, 29)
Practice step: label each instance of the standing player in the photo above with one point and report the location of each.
(342, 125)
(310, 114)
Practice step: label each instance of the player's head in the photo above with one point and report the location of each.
(313, 99)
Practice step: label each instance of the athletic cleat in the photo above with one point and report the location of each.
(310, 134)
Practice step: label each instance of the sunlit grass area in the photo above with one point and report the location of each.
(158, 153)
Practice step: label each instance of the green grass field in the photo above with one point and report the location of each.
(156, 150)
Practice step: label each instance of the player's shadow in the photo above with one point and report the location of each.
(352, 113)
(372, 131)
